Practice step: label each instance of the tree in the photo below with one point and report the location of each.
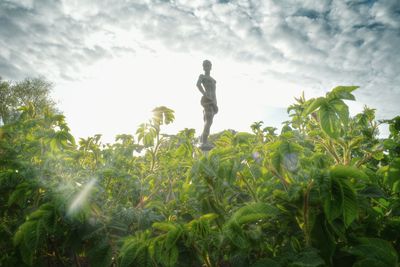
(14, 95)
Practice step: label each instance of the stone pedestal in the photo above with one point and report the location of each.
(206, 147)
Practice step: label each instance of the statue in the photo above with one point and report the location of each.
(206, 85)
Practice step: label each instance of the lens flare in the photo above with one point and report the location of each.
(81, 198)
(290, 161)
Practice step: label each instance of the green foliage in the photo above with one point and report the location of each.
(308, 258)
(347, 172)
(392, 175)
(254, 213)
(163, 115)
(333, 113)
(342, 92)
(134, 251)
(374, 252)
(31, 235)
(340, 197)
(13, 96)
(323, 192)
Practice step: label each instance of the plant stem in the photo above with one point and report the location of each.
(253, 194)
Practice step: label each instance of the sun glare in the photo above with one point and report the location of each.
(116, 95)
(81, 198)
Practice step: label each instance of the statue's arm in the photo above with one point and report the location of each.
(198, 84)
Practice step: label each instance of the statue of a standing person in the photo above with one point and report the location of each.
(206, 85)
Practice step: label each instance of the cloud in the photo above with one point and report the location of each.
(314, 44)
(40, 39)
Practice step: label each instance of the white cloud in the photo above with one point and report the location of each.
(260, 46)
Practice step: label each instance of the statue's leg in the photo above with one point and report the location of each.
(208, 115)
(205, 121)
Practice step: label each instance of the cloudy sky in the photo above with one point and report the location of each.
(112, 62)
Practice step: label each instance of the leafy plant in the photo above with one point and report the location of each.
(322, 192)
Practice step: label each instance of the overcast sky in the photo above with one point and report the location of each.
(112, 62)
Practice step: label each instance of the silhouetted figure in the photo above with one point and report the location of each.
(206, 85)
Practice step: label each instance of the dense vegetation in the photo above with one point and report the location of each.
(323, 192)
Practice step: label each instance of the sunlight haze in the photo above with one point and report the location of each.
(123, 91)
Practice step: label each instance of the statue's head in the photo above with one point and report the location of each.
(207, 65)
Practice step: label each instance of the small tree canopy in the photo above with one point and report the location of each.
(13, 95)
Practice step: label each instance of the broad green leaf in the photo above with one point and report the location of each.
(308, 258)
(243, 138)
(392, 176)
(375, 250)
(394, 126)
(341, 109)
(342, 92)
(350, 207)
(234, 228)
(341, 201)
(163, 115)
(354, 142)
(372, 191)
(378, 155)
(147, 134)
(287, 147)
(323, 239)
(329, 120)
(333, 201)
(165, 226)
(341, 171)
(250, 218)
(286, 129)
(390, 144)
(313, 104)
(254, 208)
(31, 234)
(277, 160)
